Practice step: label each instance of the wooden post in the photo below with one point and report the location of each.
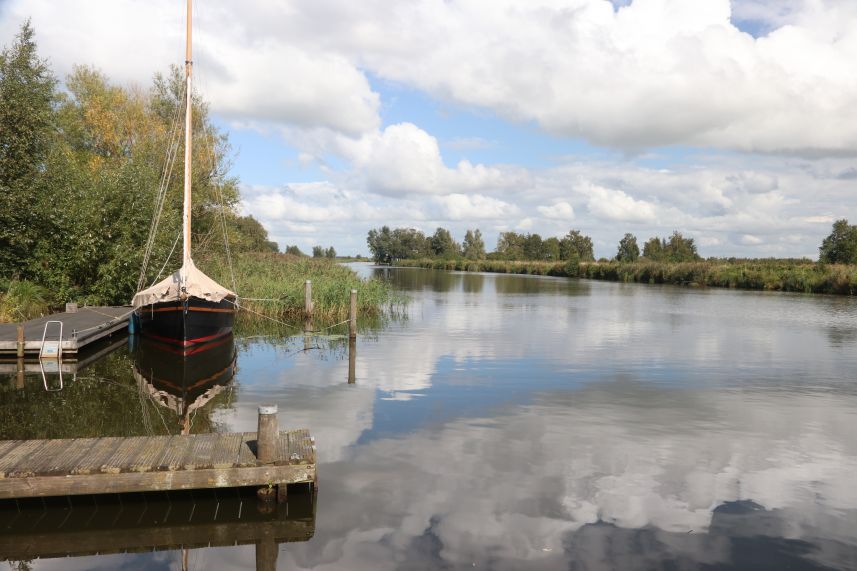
(267, 550)
(20, 345)
(308, 297)
(352, 322)
(19, 378)
(352, 360)
(266, 435)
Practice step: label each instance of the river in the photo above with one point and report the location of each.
(523, 422)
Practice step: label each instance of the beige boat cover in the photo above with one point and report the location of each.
(188, 277)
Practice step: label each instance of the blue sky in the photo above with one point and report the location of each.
(732, 122)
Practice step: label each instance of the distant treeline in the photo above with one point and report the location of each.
(387, 245)
(80, 171)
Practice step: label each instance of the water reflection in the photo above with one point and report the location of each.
(184, 380)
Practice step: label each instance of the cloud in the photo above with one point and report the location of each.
(558, 211)
(475, 207)
(615, 205)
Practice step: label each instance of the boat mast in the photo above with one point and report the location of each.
(188, 129)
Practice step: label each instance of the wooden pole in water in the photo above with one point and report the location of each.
(267, 551)
(19, 378)
(308, 298)
(352, 360)
(266, 435)
(19, 347)
(352, 322)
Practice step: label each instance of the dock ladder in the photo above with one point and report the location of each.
(50, 356)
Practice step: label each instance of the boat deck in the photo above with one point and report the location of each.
(79, 329)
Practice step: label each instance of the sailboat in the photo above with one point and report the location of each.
(187, 307)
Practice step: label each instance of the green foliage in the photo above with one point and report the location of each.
(675, 249)
(772, 275)
(473, 247)
(330, 253)
(26, 132)
(294, 251)
(442, 244)
(628, 250)
(317, 252)
(387, 245)
(23, 300)
(840, 247)
(576, 243)
(280, 278)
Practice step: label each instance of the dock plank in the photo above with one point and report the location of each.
(247, 450)
(14, 455)
(80, 328)
(66, 460)
(150, 454)
(98, 454)
(37, 461)
(173, 454)
(226, 453)
(199, 454)
(128, 452)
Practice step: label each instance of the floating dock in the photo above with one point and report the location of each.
(65, 467)
(80, 327)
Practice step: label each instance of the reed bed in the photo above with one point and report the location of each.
(21, 300)
(766, 274)
(272, 285)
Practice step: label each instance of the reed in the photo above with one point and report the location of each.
(21, 300)
(765, 274)
(272, 285)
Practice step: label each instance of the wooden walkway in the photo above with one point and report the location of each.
(80, 328)
(38, 468)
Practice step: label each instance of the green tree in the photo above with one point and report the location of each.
(676, 248)
(442, 244)
(840, 247)
(473, 248)
(510, 245)
(533, 247)
(317, 252)
(294, 251)
(628, 250)
(330, 253)
(576, 243)
(27, 129)
(550, 249)
(654, 249)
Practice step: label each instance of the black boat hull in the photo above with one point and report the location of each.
(187, 323)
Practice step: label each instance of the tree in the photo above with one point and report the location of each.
(294, 251)
(654, 249)
(532, 247)
(576, 243)
(675, 249)
(442, 244)
(840, 247)
(387, 245)
(317, 252)
(473, 248)
(510, 245)
(27, 120)
(330, 253)
(628, 250)
(550, 249)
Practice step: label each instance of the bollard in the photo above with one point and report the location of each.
(266, 435)
(352, 321)
(308, 297)
(19, 348)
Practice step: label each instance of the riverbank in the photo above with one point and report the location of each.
(770, 275)
(271, 285)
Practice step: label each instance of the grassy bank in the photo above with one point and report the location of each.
(273, 285)
(772, 275)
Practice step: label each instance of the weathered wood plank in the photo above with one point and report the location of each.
(200, 452)
(226, 453)
(38, 461)
(43, 486)
(246, 452)
(6, 445)
(151, 453)
(66, 460)
(173, 455)
(127, 452)
(283, 448)
(98, 453)
(23, 450)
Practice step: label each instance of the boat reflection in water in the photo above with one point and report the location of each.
(184, 379)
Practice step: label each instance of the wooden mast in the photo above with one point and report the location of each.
(188, 130)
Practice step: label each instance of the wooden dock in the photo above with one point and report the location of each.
(80, 328)
(64, 467)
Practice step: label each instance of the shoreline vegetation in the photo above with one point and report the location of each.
(803, 276)
(83, 176)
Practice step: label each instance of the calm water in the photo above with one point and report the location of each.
(517, 422)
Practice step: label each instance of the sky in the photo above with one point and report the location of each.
(732, 122)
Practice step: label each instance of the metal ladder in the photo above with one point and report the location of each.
(50, 356)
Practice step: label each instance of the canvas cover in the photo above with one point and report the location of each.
(189, 277)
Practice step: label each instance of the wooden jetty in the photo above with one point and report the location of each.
(80, 327)
(98, 525)
(268, 458)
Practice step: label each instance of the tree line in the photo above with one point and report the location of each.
(80, 170)
(387, 245)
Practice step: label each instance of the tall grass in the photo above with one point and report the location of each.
(22, 300)
(273, 285)
(773, 275)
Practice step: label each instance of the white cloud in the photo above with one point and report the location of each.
(558, 211)
(615, 205)
(474, 207)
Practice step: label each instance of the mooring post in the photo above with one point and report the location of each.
(352, 360)
(352, 321)
(308, 297)
(19, 347)
(267, 551)
(19, 378)
(266, 435)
